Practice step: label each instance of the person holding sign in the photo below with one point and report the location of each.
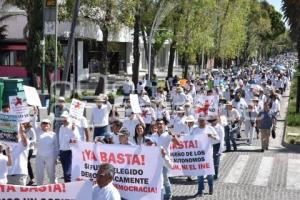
(47, 152)
(105, 190)
(5, 162)
(18, 172)
(68, 134)
(164, 138)
(211, 133)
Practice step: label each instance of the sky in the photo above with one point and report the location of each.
(276, 4)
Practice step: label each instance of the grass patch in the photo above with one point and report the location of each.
(293, 118)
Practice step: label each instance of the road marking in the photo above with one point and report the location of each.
(264, 171)
(237, 169)
(293, 174)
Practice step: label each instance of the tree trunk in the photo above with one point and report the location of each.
(145, 43)
(185, 65)
(153, 55)
(103, 71)
(171, 58)
(136, 50)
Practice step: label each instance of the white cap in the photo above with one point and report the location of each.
(62, 99)
(46, 121)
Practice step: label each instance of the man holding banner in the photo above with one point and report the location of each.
(212, 135)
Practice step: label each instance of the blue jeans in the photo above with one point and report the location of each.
(229, 137)
(66, 162)
(210, 181)
(100, 131)
(167, 184)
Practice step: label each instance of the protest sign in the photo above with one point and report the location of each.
(76, 110)
(138, 169)
(206, 104)
(192, 157)
(134, 102)
(8, 128)
(80, 190)
(32, 96)
(19, 107)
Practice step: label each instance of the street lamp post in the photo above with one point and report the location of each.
(164, 8)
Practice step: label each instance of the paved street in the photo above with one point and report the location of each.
(249, 174)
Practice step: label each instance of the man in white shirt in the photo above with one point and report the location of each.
(100, 115)
(218, 145)
(128, 88)
(68, 134)
(105, 190)
(18, 172)
(233, 118)
(164, 139)
(5, 162)
(203, 128)
(178, 122)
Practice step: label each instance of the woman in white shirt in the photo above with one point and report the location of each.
(47, 151)
(5, 162)
(139, 135)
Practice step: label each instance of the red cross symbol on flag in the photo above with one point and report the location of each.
(77, 105)
(18, 101)
(203, 109)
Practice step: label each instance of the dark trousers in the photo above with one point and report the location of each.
(66, 162)
(30, 172)
(99, 131)
(229, 137)
(210, 181)
(216, 156)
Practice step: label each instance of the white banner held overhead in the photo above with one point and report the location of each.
(32, 96)
(138, 169)
(19, 107)
(134, 102)
(206, 104)
(80, 190)
(76, 110)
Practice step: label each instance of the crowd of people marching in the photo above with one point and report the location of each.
(248, 106)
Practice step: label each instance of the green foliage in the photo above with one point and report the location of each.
(293, 118)
(50, 53)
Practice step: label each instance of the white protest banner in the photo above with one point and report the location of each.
(134, 103)
(76, 110)
(19, 107)
(80, 190)
(206, 104)
(138, 169)
(8, 128)
(32, 96)
(193, 157)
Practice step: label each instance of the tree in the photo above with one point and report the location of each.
(34, 10)
(291, 9)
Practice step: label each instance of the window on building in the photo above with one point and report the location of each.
(12, 58)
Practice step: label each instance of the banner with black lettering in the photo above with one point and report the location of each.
(80, 190)
(193, 157)
(138, 169)
(8, 128)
